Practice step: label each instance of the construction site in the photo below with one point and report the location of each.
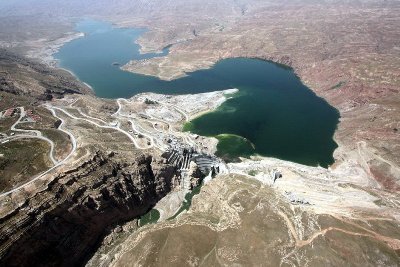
(193, 166)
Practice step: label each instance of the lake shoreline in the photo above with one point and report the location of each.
(267, 86)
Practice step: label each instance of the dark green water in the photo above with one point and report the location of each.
(151, 217)
(188, 201)
(274, 112)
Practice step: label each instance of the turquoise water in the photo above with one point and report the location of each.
(274, 112)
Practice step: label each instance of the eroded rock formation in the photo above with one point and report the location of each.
(61, 225)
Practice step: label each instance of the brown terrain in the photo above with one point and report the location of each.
(83, 210)
(238, 221)
(26, 82)
(29, 78)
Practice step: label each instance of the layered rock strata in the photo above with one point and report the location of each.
(62, 224)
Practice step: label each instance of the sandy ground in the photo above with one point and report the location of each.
(344, 191)
(170, 204)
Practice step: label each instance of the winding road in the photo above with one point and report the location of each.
(28, 134)
(185, 137)
(74, 145)
(94, 121)
(117, 128)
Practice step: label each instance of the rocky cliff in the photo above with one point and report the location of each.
(62, 224)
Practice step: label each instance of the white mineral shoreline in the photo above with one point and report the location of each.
(73, 74)
(45, 49)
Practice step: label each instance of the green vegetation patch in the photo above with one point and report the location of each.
(6, 123)
(231, 146)
(252, 172)
(61, 141)
(338, 85)
(22, 159)
(150, 102)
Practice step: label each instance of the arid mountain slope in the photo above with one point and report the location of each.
(237, 221)
(21, 76)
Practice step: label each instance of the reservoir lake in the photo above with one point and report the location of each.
(273, 114)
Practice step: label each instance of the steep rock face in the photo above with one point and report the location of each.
(61, 225)
(194, 174)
